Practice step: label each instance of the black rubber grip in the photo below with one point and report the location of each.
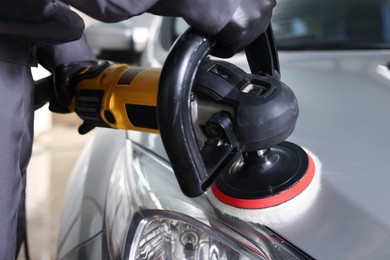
(174, 115)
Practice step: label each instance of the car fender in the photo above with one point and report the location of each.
(84, 205)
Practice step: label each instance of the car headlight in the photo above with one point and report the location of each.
(147, 217)
(156, 234)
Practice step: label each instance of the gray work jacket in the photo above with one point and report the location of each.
(27, 26)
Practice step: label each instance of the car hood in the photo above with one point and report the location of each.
(344, 102)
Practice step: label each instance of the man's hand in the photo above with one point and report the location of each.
(250, 20)
(65, 85)
(234, 24)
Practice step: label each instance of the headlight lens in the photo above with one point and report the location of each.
(170, 235)
(162, 238)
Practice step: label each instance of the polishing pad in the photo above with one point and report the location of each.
(279, 208)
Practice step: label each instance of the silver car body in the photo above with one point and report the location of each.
(344, 100)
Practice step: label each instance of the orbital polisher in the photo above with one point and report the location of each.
(245, 119)
(220, 126)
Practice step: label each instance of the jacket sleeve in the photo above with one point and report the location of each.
(52, 56)
(209, 16)
(112, 10)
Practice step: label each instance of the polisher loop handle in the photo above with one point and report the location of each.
(174, 110)
(262, 55)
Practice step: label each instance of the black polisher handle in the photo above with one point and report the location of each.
(262, 55)
(174, 110)
(44, 89)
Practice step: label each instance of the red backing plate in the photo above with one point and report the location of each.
(272, 200)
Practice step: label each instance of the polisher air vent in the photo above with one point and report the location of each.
(255, 87)
(225, 74)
